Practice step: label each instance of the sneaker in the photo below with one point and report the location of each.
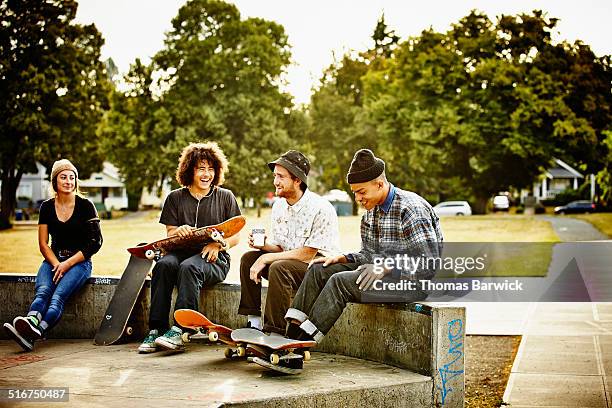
(171, 340)
(148, 344)
(292, 364)
(250, 326)
(28, 327)
(27, 345)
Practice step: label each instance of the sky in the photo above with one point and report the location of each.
(319, 29)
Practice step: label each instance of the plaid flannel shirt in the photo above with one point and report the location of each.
(404, 224)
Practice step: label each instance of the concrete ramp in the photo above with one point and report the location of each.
(119, 376)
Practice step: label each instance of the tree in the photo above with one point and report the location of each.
(219, 78)
(54, 90)
(485, 106)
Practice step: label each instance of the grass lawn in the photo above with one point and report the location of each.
(601, 221)
(19, 247)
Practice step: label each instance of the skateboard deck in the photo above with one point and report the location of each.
(273, 349)
(115, 320)
(195, 242)
(205, 329)
(195, 320)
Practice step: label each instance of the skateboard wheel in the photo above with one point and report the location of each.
(241, 351)
(306, 355)
(149, 254)
(129, 331)
(213, 336)
(229, 353)
(185, 337)
(274, 358)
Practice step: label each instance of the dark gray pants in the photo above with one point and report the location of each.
(325, 292)
(189, 274)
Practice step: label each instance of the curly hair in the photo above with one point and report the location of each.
(193, 154)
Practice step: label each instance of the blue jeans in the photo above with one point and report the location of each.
(48, 304)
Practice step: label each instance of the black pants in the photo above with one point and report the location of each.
(189, 274)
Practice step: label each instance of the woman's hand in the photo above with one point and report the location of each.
(60, 269)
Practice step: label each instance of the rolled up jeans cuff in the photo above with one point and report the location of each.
(312, 330)
(296, 314)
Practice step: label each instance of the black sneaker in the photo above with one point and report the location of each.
(248, 326)
(26, 344)
(293, 363)
(295, 332)
(28, 327)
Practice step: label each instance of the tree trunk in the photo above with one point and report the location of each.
(480, 206)
(258, 209)
(8, 194)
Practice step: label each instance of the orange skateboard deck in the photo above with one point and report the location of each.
(205, 329)
(195, 242)
(273, 349)
(194, 320)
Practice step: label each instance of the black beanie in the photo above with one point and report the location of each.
(364, 167)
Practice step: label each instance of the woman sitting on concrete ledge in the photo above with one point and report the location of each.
(74, 226)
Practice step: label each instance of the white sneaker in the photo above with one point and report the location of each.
(171, 340)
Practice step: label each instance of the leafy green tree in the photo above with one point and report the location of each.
(217, 78)
(486, 106)
(54, 90)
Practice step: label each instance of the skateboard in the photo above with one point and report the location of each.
(218, 233)
(272, 349)
(115, 320)
(205, 329)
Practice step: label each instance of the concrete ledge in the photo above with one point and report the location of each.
(424, 338)
(82, 314)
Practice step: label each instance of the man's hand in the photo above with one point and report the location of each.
(329, 260)
(368, 276)
(256, 269)
(211, 251)
(60, 269)
(184, 231)
(252, 245)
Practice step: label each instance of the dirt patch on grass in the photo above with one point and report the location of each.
(488, 362)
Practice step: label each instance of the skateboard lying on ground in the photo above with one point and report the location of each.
(115, 321)
(272, 349)
(200, 236)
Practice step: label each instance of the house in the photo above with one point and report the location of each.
(33, 187)
(106, 187)
(554, 180)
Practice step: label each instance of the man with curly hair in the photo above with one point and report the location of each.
(200, 202)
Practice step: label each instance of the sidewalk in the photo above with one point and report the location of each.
(565, 355)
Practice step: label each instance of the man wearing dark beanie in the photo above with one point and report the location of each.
(396, 221)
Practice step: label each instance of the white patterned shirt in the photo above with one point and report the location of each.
(311, 222)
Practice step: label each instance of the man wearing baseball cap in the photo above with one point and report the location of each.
(396, 221)
(303, 225)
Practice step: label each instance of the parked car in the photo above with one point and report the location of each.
(501, 203)
(575, 207)
(452, 208)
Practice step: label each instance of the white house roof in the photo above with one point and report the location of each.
(109, 177)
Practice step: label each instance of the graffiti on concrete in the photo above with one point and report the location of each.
(454, 367)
